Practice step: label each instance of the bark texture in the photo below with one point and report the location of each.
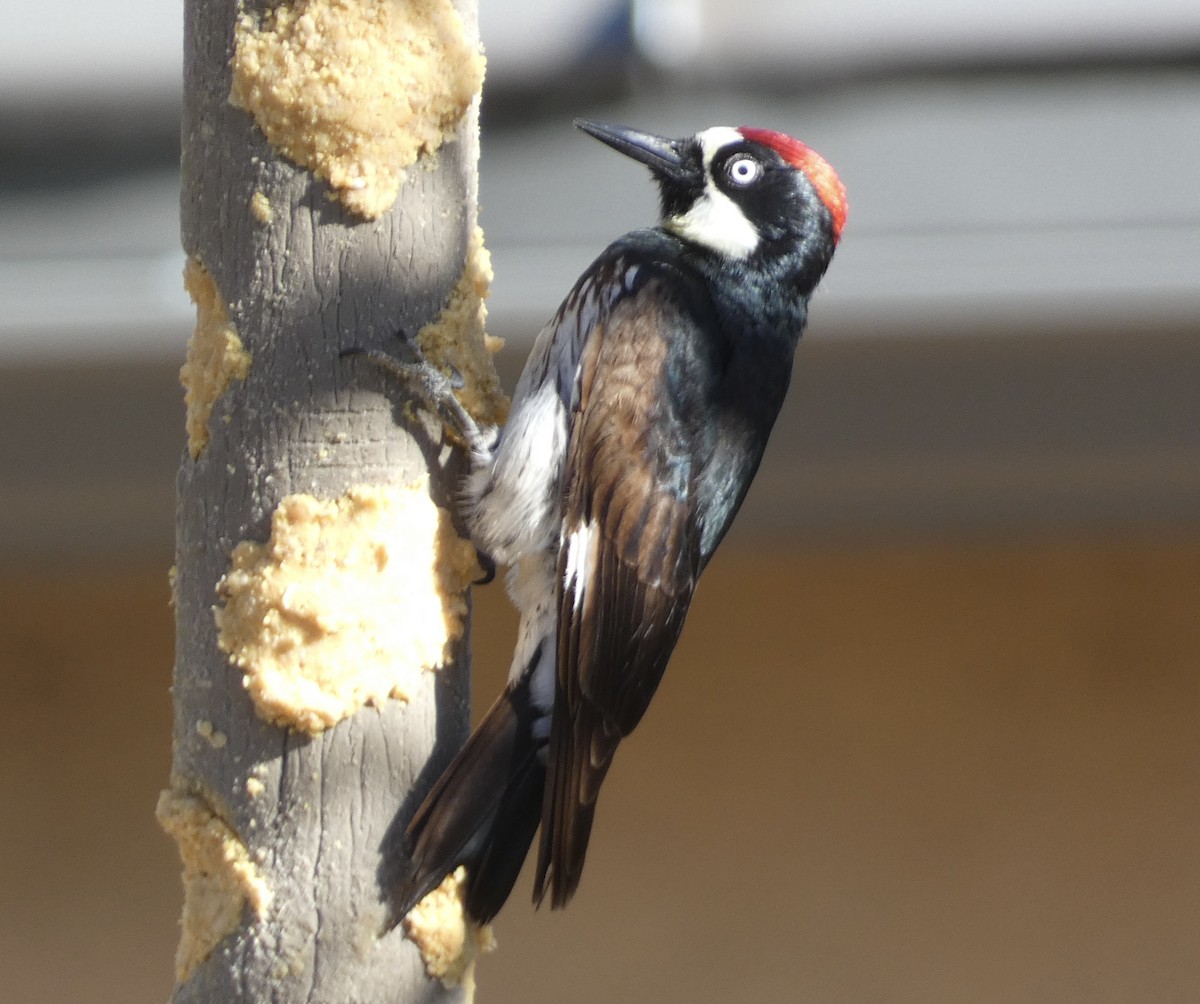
(303, 278)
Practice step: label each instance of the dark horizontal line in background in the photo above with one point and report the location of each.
(1182, 222)
(62, 138)
(514, 103)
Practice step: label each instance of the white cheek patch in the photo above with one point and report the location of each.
(714, 220)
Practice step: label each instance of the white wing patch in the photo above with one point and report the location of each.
(580, 559)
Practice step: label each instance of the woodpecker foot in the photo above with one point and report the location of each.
(488, 564)
(430, 384)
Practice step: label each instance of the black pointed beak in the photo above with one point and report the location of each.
(663, 156)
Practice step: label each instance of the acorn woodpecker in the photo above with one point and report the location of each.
(635, 430)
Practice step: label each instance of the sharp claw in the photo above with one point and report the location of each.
(430, 383)
(488, 564)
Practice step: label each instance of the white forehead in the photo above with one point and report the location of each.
(715, 139)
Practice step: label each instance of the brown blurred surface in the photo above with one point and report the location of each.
(932, 773)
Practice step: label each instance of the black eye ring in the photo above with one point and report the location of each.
(743, 170)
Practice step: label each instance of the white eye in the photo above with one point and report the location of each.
(744, 171)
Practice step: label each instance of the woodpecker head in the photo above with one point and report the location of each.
(747, 195)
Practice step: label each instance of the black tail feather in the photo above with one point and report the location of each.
(580, 754)
(490, 878)
(482, 812)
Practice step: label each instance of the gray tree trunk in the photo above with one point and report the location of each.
(280, 827)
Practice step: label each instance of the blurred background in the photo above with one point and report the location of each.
(932, 730)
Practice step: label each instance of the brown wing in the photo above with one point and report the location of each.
(627, 566)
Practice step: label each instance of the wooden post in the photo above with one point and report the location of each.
(321, 677)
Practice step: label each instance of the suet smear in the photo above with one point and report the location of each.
(356, 90)
(449, 943)
(456, 338)
(215, 355)
(219, 877)
(346, 604)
